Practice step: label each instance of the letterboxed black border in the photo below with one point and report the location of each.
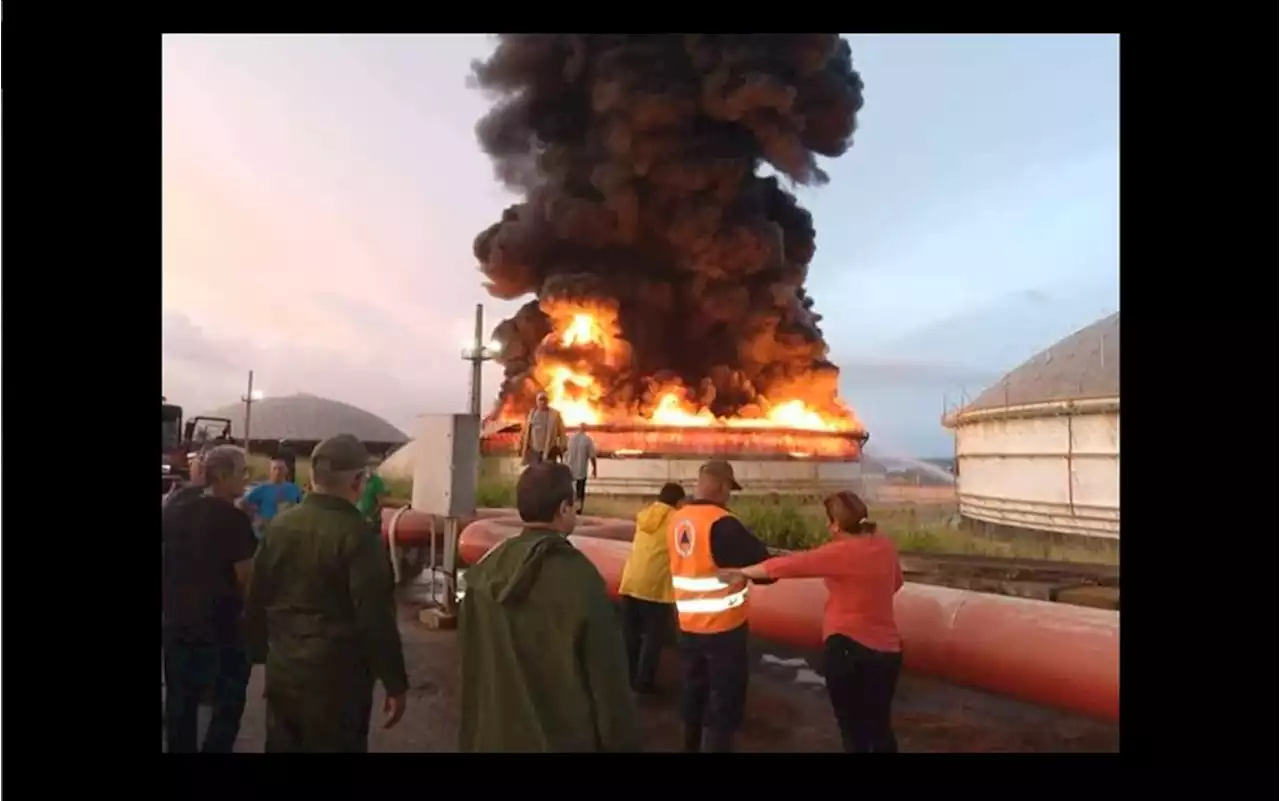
(81, 363)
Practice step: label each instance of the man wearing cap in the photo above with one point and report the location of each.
(321, 613)
(705, 537)
(543, 437)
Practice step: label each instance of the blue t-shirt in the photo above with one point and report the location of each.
(271, 499)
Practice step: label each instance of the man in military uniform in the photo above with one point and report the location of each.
(321, 610)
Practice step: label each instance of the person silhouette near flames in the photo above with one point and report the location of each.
(543, 437)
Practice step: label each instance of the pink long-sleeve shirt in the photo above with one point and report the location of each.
(862, 574)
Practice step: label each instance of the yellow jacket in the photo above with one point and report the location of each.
(647, 574)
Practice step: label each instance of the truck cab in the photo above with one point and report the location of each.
(172, 453)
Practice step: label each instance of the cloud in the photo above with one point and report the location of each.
(201, 371)
(901, 391)
(321, 195)
(868, 372)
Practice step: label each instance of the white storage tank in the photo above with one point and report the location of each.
(1040, 450)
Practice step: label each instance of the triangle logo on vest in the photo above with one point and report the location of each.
(684, 538)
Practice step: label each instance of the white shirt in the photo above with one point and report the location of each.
(582, 449)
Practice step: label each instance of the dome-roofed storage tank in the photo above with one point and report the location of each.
(304, 420)
(1040, 450)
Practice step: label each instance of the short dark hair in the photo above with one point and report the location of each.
(541, 490)
(671, 494)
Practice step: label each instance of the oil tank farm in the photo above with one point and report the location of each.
(1039, 452)
(638, 460)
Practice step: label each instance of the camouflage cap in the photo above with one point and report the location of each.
(722, 470)
(341, 454)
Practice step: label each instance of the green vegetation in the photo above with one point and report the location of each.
(792, 523)
(494, 494)
(797, 523)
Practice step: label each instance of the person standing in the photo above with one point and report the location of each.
(543, 437)
(580, 454)
(265, 501)
(286, 454)
(207, 553)
(863, 647)
(648, 605)
(322, 615)
(712, 614)
(542, 665)
(372, 496)
(193, 487)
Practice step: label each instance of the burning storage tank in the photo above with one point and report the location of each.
(639, 459)
(1040, 450)
(666, 256)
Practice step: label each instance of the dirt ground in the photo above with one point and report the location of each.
(788, 711)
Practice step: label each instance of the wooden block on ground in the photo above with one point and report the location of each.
(434, 618)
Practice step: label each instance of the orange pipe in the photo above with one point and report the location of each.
(416, 528)
(1055, 655)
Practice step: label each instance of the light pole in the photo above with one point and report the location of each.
(250, 396)
(479, 352)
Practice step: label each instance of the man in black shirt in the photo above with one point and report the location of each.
(208, 550)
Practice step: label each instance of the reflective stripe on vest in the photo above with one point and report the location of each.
(704, 603)
(703, 606)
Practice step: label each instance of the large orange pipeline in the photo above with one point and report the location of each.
(1050, 654)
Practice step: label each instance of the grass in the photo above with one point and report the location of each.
(796, 524)
(791, 523)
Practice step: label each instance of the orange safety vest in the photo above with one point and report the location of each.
(704, 603)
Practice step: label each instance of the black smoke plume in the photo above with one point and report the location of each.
(638, 157)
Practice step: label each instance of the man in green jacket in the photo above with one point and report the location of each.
(543, 661)
(321, 610)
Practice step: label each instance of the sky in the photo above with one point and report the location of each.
(321, 195)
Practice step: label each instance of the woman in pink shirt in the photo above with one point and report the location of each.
(863, 649)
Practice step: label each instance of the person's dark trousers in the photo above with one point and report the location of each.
(714, 693)
(646, 627)
(580, 492)
(304, 722)
(861, 683)
(192, 671)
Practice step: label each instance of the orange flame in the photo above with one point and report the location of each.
(585, 342)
